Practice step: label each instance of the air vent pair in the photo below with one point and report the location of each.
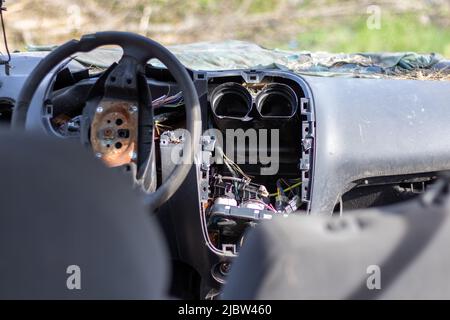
(231, 100)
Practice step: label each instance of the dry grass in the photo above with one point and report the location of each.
(265, 22)
(424, 74)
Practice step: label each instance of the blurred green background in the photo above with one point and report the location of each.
(321, 25)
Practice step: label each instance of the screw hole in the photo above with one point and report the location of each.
(119, 122)
(118, 145)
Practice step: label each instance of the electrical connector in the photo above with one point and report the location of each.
(281, 202)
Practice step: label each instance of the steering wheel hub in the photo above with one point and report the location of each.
(113, 134)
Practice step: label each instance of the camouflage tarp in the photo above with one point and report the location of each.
(231, 55)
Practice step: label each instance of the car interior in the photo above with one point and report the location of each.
(125, 173)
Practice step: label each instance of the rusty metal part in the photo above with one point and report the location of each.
(114, 132)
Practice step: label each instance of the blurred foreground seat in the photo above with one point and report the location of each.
(395, 252)
(72, 229)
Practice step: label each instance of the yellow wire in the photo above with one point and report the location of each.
(287, 189)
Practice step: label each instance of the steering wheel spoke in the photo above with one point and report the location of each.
(122, 81)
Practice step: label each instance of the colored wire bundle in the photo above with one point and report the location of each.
(281, 191)
(174, 101)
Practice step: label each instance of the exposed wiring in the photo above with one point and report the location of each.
(284, 190)
(159, 126)
(232, 166)
(174, 101)
(228, 164)
(280, 190)
(293, 186)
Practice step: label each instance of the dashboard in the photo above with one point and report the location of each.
(257, 147)
(273, 143)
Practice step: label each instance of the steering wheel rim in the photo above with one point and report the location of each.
(142, 49)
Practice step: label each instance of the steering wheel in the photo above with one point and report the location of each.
(122, 94)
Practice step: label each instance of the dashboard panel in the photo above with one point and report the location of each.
(338, 141)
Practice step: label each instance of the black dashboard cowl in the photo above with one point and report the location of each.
(376, 127)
